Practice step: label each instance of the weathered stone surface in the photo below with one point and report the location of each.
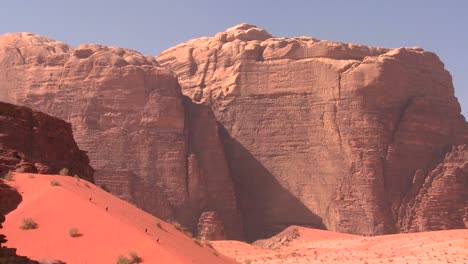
(313, 133)
(327, 134)
(439, 199)
(31, 141)
(147, 144)
(9, 199)
(210, 227)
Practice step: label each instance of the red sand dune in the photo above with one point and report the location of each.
(302, 245)
(105, 234)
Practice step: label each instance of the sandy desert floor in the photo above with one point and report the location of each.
(302, 245)
(105, 234)
(121, 229)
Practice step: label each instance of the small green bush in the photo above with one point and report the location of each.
(86, 185)
(216, 253)
(64, 172)
(28, 223)
(158, 224)
(54, 183)
(74, 232)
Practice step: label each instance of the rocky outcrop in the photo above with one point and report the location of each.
(9, 200)
(210, 227)
(147, 144)
(328, 134)
(32, 141)
(438, 199)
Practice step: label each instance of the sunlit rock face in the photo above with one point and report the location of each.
(143, 139)
(325, 134)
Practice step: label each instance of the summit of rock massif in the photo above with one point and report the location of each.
(326, 134)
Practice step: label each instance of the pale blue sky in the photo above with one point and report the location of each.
(153, 26)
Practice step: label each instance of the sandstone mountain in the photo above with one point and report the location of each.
(35, 142)
(351, 138)
(146, 142)
(271, 131)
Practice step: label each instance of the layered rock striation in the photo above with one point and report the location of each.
(325, 134)
(32, 141)
(147, 143)
(272, 132)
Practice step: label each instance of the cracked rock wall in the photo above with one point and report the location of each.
(143, 139)
(325, 134)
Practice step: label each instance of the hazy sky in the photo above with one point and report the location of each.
(153, 26)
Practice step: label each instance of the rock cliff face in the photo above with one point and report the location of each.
(37, 142)
(274, 132)
(147, 144)
(325, 134)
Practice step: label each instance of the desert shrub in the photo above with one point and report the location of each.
(134, 258)
(215, 253)
(123, 260)
(208, 244)
(74, 232)
(32, 176)
(77, 178)
(178, 226)
(187, 232)
(64, 172)
(247, 261)
(54, 183)
(104, 187)
(28, 223)
(158, 224)
(197, 241)
(86, 184)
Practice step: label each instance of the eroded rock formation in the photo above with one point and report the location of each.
(35, 142)
(147, 144)
(328, 134)
(9, 200)
(210, 227)
(274, 132)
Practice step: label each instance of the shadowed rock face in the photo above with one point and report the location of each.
(40, 143)
(318, 132)
(146, 143)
